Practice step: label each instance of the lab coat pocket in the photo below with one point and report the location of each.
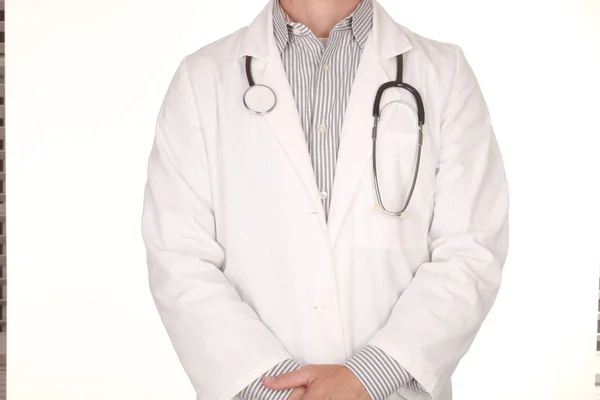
(396, 166)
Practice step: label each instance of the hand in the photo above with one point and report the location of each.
(320, 382)
(297, 393)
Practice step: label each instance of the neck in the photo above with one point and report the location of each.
(320, 16)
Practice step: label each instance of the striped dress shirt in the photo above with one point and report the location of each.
(321, 72)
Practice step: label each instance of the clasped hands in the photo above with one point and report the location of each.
(319, 382)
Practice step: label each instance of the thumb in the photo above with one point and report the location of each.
(289, 380)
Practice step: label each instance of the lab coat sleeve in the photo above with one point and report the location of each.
(221, 343)
(435, 320)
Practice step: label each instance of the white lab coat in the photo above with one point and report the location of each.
(243, 267)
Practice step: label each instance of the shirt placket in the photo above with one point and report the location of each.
(324, 123)
(321, 124)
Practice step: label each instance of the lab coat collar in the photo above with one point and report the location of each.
(388, 37)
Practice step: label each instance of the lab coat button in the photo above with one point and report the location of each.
(324, 309)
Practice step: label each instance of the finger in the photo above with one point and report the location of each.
(289, 380)
(297, 393)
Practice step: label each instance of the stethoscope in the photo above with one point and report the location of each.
(261, 99)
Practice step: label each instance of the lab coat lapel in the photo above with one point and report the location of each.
(376, 67)
(267, 69)
(286, 125)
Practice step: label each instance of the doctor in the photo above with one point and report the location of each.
(301, 223)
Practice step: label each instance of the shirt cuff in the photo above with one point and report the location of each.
(416, 386)
(380, 374)
(257, 391)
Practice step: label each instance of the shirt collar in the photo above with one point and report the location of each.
(360, 21)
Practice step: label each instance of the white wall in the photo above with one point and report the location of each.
(85, 80)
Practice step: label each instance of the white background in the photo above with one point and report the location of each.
(85, 81)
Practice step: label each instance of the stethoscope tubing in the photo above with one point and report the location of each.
(376, 116)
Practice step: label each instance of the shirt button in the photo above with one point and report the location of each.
(326, 67)
(324, 309)
(322, 128)
(296, 31)
(323, 195)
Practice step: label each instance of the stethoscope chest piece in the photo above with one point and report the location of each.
(259, 99)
